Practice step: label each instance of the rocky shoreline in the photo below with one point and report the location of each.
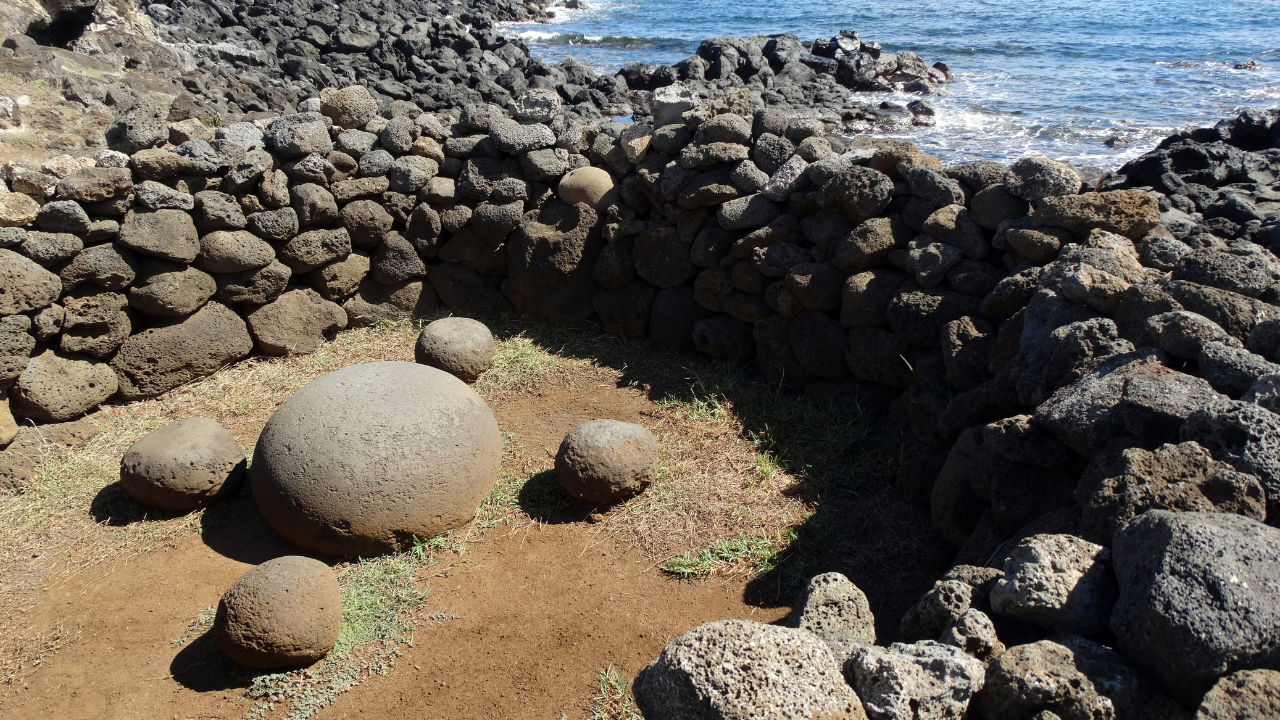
(228, 62)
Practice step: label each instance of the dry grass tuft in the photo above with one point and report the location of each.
(613, 700)
(24, 651)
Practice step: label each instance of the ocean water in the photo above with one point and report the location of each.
(1031, 78)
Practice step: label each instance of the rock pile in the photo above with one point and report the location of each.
(802, 79)
(966, 673)
(206, 60)
(742, 236)
(1085, 368)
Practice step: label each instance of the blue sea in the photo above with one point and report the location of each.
(1031, 78)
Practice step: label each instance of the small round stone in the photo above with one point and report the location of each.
(589, 185)
(459, 346)
(284, 613)
(603, 461)
(183, 465)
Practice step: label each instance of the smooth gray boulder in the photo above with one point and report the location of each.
(1199, 597)
(743, 670)
(603, 461)
(371, 458)
(460, 346)
(182, 466)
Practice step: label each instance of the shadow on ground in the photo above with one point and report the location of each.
(202, 667)
(235, 529)
(112, 506)
(842, 447)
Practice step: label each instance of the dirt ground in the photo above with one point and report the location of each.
(523, 614)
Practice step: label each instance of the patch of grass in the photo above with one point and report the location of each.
(754, 555)
(199, 626)
(522, 365)
(613, 699)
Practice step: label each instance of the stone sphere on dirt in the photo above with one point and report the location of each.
(602, 461)
(459, 346)
(284, 613)
(182, 466)
(365, 459)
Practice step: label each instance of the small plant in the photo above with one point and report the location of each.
(757, 553)
(212, 121)
(766, 457)
(613, 700)
(202, 623)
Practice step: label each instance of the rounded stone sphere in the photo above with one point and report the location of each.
(365, 459)
(589, 185)
(182, 466)
(284, 613)
(603, 461)
(459, 346)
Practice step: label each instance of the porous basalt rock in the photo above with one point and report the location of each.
(738, 669)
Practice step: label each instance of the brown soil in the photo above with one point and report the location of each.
(547, 592)
(541, 608)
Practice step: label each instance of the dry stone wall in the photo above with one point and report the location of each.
(980, 293)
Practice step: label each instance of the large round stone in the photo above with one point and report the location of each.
(603, 461)
(365, 459)
(589, 185)
(183, 465)
(459, 346)
(284, 613)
